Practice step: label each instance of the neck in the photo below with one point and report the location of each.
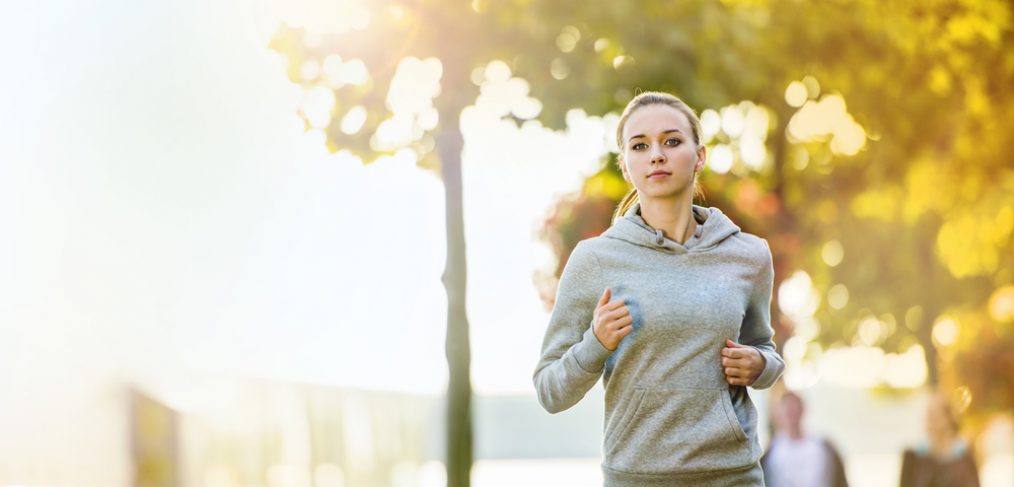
(673, 216)
(942, 442)
(794, 433)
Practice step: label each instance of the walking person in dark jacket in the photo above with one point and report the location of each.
(943, 459)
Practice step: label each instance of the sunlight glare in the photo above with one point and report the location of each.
(721, 159)
(797, 296)
(353, 120)
(819, 120)
(317, 104)
(332, 69)
(353, 72)
(945, 332)
(711, 123)
(752, 151)
(732, 121)
(416, 82)
(794, 349)
(323, 16)
(527, 108)
(329, 475)
(393, 132)
(870, 331)
(1001, 304)
(795, 94)
(433, 474)
(806, 328)
(854, 367)
(288, 476)
(905, 370)
(497, 71)
(848, 137)
(757, 120)
(310, 70)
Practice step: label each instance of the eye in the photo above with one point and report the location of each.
(638, 145)
(673, 142)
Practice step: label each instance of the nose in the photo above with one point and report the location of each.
(657, 156)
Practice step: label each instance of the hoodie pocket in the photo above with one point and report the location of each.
(624, 413)
(678, 431)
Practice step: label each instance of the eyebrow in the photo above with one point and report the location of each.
(666, 132)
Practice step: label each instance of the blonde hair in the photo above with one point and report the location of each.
(655, 98)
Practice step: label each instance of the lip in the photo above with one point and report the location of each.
(659, 174)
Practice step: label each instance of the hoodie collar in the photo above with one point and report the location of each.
(712, 228)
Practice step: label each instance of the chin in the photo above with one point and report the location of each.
(663, 195)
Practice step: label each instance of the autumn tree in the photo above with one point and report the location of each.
(883, 177)
(865, 140)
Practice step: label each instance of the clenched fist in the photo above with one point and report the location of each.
(611, 321)
(742, 364)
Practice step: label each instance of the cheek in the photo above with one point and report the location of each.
(630, 164)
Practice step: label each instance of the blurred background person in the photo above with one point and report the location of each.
(943, 459)
(796, 458)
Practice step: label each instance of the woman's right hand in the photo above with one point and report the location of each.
(611, 321)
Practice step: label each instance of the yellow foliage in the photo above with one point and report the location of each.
(1001, 304)
(923, 193)
(965, 244)
(878, 203)
(1003, 226)
(984, 19)
(827, 212)
(606, 184)
(976, 101)
(939, 81)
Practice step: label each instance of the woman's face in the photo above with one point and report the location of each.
(659, 156)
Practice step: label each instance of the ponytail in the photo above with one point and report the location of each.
(625, 204)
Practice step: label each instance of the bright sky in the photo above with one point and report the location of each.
(165, 215)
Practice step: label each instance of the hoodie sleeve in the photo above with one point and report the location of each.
(572, 357)
(756, 330)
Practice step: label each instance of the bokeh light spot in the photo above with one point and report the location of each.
(832, 253)
(721, 159)
(1001, 304)
(568, 38)
(838, 296)
(353, 120)
(795, 94)
(497, 71)
(945, 332)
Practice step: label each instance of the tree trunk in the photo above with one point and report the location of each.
(450, 143)
(931, 310)
(925, 335)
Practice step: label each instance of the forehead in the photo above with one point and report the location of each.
(654, 119)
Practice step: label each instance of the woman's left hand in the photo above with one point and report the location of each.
(742, 364)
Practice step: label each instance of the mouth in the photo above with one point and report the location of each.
(659, 175)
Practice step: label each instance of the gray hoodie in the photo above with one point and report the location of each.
(670, 416)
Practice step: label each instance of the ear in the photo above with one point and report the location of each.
(702, 157)
(623, 167)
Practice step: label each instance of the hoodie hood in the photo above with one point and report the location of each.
(713, 227)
